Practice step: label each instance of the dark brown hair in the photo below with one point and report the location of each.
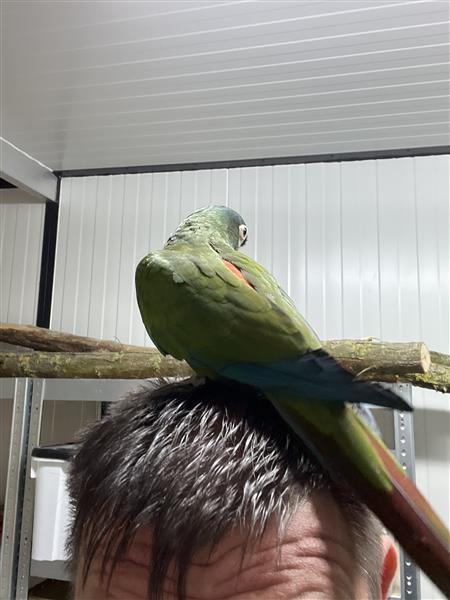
(193, 462)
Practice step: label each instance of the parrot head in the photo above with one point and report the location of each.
(215, 222)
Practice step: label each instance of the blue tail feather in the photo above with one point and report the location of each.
(314, 376)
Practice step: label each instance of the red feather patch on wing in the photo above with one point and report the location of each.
(236, 271)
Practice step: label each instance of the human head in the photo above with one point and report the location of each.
(201, 489)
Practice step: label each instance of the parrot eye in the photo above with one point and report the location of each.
(243, 230)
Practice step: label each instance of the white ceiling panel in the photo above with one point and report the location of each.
(115, 84)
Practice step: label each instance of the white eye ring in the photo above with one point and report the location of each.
(243, 230)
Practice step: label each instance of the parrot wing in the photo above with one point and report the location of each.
(185, 294)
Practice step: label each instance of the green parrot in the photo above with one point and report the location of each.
(203, 301)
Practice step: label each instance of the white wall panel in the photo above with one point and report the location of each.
(362, 247)
(21, 228)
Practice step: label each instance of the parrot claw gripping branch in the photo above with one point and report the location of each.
(203, 301)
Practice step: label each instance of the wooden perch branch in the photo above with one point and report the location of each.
(39, 338)
(374, 359)
(71, 356)
(92, 365)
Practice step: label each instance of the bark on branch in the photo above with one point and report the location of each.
(374, 359)
(39, 338)
(74, 356)
(91, 365)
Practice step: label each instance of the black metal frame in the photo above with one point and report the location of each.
(48, 261)
(258, 162)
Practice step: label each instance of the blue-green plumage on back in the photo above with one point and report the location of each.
(203, 301)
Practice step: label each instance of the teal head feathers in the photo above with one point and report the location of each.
(216, 223)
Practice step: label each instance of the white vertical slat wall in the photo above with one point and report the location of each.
(21, 232)
(21, 229)
(362, 247)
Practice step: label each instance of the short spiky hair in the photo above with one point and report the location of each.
(193, 462)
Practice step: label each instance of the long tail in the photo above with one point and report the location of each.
(315, 375)
(346, 445)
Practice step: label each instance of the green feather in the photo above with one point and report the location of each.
(340, 423)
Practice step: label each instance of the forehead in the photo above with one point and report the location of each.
(233, 216)
(315, 551)
(218, 213)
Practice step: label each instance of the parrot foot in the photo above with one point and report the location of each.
(197, 381)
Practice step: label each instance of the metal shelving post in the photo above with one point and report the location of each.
(404, 451)
(12, 518)
(26, 533)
